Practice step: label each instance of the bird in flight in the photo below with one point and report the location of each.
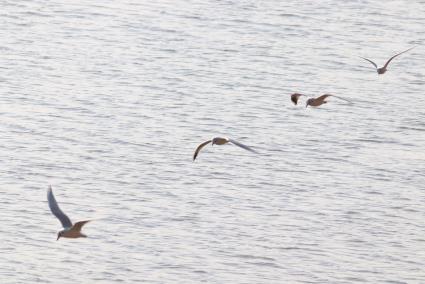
(315, 102)
(220, 141)
(295, 97)
(69, 231)
(383, 69)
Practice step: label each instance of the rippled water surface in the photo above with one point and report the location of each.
(107, 100)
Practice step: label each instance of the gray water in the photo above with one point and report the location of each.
(107, 103)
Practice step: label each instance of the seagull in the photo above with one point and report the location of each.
(69, 231)
(295, 97)
(315, 102)
(383, 69)
(220, 141)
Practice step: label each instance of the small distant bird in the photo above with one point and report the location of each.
(69, 231)
(295, 97)
(382, 70)
(220, 141)
(315, 102)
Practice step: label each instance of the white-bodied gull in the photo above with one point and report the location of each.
(69, 231)
(383, 69)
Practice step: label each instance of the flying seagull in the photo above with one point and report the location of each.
(295, 97)
(383, 69)
(69, 231)
(220, 141)
(315, 102)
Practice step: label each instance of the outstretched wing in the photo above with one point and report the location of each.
(66, 222)
(327, 95)
(295, 97)
(79, 225)
(241, 145)
(199, 149)
(389, 60)
(323, 97)
(374, 64)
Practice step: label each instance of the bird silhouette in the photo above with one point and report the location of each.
(220, 141)
(383, 69)
(315, 102)
(70, 230)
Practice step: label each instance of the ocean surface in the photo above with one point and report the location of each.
(107, 100)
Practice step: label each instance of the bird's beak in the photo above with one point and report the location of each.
(58, 237)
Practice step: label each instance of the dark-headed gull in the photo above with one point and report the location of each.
(315, 102)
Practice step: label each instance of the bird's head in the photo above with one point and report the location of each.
(308, 102)
(60, 233)
(214, 141)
